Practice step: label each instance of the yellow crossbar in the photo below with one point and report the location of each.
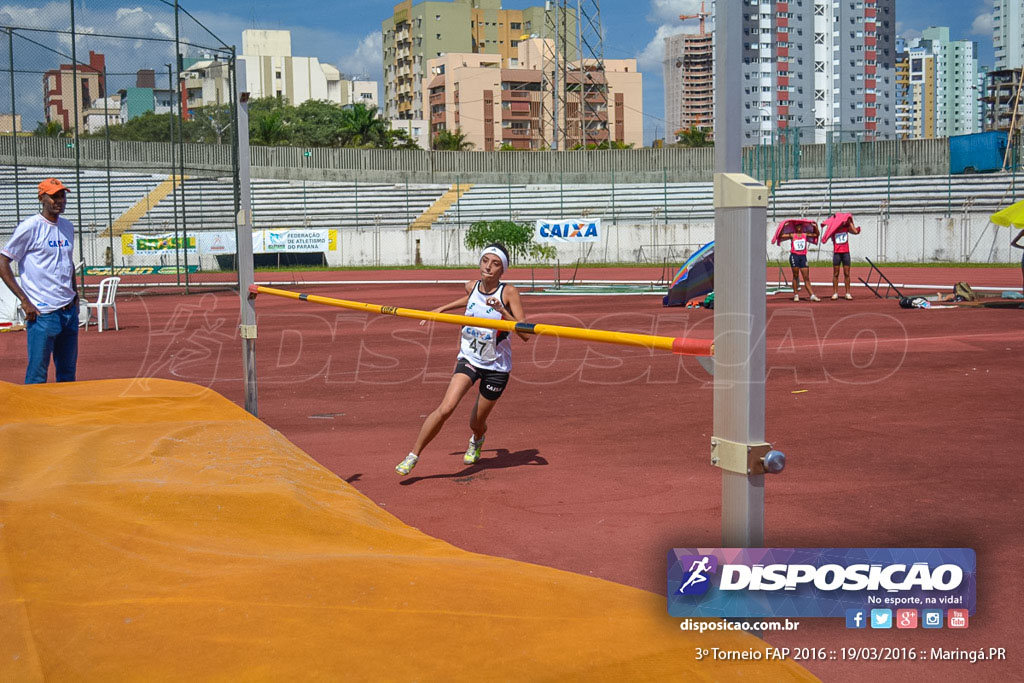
(679, 345)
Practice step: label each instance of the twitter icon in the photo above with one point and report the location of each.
(881, 618)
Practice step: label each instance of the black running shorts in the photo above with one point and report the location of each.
(492, 382)
(842, 259)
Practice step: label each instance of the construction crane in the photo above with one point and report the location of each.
(702, 15)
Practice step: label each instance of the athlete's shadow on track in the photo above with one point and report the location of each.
(501, 459)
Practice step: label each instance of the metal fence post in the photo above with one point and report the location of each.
(14, 117)
(181, 143)
(78, 160)
(174, 175)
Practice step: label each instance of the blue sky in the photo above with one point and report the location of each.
(347, 34)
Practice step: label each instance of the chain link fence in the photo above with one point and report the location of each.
(71, 76)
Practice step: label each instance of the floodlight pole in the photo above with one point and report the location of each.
(737, 444)
(243, 243)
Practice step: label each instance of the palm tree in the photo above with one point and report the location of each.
(400, 139)
(452, 141)
(269, 129)
(49, 129)
(361, 126)
(693, 137)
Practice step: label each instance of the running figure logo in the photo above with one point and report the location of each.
(696, 580)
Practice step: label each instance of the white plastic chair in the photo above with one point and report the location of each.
(106, 298)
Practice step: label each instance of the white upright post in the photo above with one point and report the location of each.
(738, 446)
(243, 245)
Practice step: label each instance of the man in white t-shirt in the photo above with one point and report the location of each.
(42, 246)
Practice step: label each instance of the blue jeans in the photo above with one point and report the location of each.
(53, 334)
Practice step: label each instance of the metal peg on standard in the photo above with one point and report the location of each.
(774, 462)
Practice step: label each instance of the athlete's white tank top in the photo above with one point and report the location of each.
(485, 348)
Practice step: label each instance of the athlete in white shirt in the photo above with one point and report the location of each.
(484, 354)
(42, 246)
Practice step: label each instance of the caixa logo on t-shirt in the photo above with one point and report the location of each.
(57, 244)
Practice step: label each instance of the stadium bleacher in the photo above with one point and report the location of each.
(209, 202)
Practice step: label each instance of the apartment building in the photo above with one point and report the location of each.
(145, 96)
(688, 70)
(272, 71)
(359, 91)
(207, 82)
(922, 92)
(496, 106)
(60, 91)
(902, 100)
(865, 77)
(819, 66)
(430, 29)
(954, 68)
(1008, 33)
(10, 124)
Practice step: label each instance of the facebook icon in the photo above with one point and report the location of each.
(856, 618)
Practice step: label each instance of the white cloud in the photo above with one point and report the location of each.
(651, 56)
(666, 11)
(365, 59)
(982, 25)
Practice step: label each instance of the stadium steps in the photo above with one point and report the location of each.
(437, 209)
(127, 220)
(88, 203)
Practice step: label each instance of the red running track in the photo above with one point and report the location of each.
(906, 432)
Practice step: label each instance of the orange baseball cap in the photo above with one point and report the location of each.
(51, 186)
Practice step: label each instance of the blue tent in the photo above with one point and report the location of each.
(696, 277)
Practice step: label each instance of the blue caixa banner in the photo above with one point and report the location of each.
(816, 582)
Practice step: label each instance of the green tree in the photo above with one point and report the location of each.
(49, 129)
(314, 123)
(148, 127)
(362, 126)
(613, 144)
(517, 238)
(693, 136)
(451, 141)
(268, 128)
(211, 124)
(400, 139)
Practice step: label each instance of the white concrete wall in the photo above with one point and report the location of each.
(920, 238)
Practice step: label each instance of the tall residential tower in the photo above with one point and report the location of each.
(1008, 33)
(821, 66)
(430, 29)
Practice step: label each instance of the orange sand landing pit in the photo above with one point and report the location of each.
(152, 529)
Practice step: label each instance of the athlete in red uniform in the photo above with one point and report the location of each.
(798, 261)
(841, 257)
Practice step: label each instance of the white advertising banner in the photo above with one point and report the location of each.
(218, 242)
(299, 240)
(568, 230)
(296, 241)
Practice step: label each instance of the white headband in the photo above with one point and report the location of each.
(497, 252)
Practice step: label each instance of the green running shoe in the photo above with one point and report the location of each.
(405, 467)
(473, 452)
